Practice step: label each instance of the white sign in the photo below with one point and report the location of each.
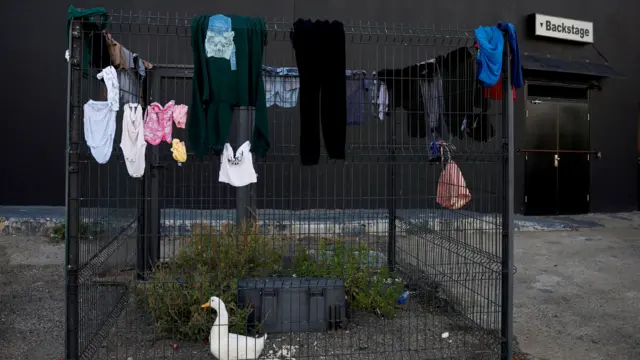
(565, 29)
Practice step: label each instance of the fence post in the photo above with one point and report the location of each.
(243, 204)
(508, 150)
(152, 191)
(74, 128)
(391, 199)
(141, 228)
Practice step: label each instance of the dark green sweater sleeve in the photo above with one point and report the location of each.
(196, 125)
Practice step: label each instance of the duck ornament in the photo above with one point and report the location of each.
(225, 346)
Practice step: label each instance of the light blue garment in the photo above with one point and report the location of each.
(219, 41)
(491, 42)
(281, 90)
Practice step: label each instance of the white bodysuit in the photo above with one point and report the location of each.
(100, 118)
(132, 143)
(237, 169)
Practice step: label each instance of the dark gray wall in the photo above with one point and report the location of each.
(34, 128)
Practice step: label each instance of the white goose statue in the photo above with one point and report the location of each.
(225, 346)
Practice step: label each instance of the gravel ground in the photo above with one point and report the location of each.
(415, 334)
(31, 298)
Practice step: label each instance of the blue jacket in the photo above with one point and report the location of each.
(516, 66)
(491, 42)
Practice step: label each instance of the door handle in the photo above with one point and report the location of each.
(556, 158)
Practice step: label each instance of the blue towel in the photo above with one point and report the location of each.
(491, 42)
(516, 66)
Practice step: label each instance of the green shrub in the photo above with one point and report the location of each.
(212, 261)
(58, 232)
(366, 287)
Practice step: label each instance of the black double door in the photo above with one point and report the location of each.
(557, 174)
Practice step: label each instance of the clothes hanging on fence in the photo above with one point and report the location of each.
(495, 92)
(490, 40)
(516, 66)
(281, 86)
(452, 190)
(434, 101)
(179, 151)
(131, 69)
(405, 91)
(180, 115)
(489, 58)
(237, 169)
(123, 59)
(321, 58)
(358, 87)
(130, 86)
(463, 98)
(132, 143)
(221, 84)
(379, 96)
(100, 118)
(158, 123)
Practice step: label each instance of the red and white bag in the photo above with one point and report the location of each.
(452, 190)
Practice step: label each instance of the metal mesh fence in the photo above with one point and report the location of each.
(346, 259)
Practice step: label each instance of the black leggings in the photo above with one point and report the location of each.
(321, 57)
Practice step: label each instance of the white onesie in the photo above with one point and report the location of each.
(237, 169)
(100, 118)
(132, 143)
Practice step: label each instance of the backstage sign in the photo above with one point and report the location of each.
(565, 29)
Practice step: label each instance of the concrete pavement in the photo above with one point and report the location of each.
(577, 294)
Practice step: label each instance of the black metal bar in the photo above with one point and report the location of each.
(141, 229)
(72, 230)
(155, 172)
(508, 148)
(243, 212)
(391, 202)
(142, 207)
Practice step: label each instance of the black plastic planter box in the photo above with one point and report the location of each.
(294, 304)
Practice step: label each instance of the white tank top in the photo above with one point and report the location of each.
(132, 143)
(237, 169)
(100, 118)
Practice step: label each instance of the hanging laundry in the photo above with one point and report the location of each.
(131, 69)
(320, 53)
(180, 115)
(379, 99)
(158, 123)
(179, 151)
(495, 92)
(123, 59)
(490, 40)
(281, 86)
(462, 91)
(227, 74)
(132, 143)
(489, 58)
(516, 66)
(357, 87)
(434, 100)
(130, 86)
(452, 190)
(237, 169)
(100, 118)
(404, 88)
